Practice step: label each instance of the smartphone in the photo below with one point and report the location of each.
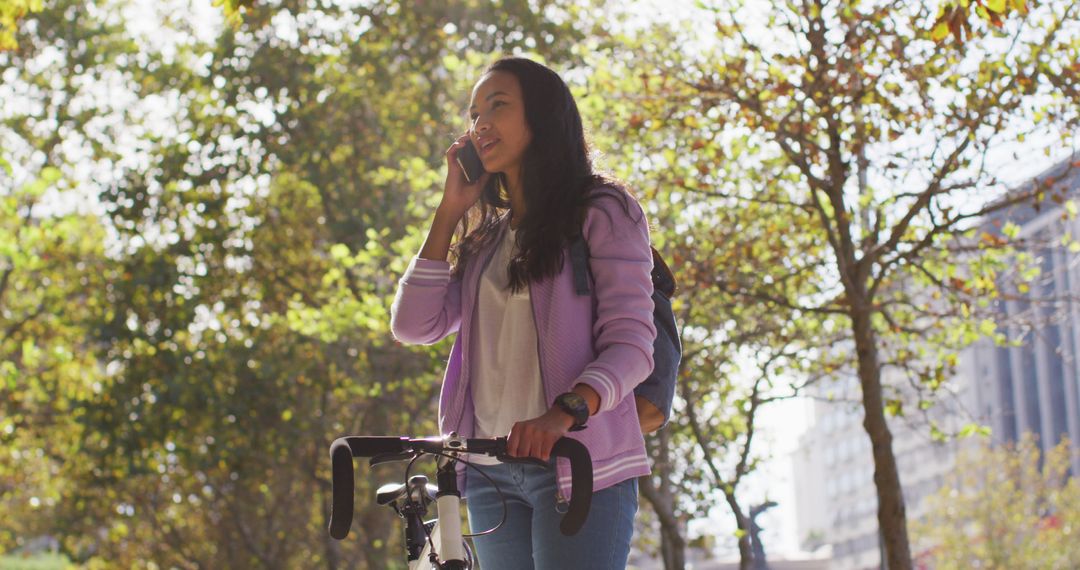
(470, 162)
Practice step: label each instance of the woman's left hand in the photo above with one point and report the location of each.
(536, 437)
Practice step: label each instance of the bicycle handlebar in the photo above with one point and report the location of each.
(344, 449)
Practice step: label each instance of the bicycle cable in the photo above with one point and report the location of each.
(502, 497)
(423, 525)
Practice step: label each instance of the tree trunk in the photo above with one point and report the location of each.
(746, 553)
(662, 498)
(672, 543)
(892, 516)
(332, 552)
(673, 549)
(331, 547)
(755, 535)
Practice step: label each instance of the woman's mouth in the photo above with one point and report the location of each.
(487, 146)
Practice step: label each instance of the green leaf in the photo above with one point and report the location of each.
(339, 251)
(48, 176)
(30, 353)
(974, 429)
(1010, 230)
(936, 434)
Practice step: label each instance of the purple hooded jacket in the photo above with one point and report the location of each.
(612, 354)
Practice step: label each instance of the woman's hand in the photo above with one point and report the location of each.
(458, 194)
(458, 197)
(536, 437)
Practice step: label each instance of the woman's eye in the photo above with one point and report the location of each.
(473, 116)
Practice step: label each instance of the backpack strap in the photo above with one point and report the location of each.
(662, 277)
(579, 260)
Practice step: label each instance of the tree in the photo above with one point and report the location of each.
(52, 269)
(738, 356)
(261, 191)
(840, 157)
(1004, 507)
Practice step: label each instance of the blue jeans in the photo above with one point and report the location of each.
(530, 537)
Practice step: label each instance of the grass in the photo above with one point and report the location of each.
(35, 562)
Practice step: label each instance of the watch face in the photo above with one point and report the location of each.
(574, 399)
(575, 405)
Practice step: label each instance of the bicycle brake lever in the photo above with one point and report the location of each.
(527, 460)
(391, 457)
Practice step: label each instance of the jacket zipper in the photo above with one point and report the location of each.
(539, 350)
(467, 350)
(560, 500)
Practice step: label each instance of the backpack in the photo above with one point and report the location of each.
(654, 396)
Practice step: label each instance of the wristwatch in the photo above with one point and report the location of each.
(575, 405)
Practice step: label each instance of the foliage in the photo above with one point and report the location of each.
(261, 187)
(234, 9)
(252, 191)
(955, 17)
(52, 273)
(820, 175)
(11, 11)
(1008, 506)
(738, 355)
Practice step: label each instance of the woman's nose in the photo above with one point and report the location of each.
(481, 124)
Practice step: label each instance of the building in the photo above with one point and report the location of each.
(1031, 388)
(836, 500)
(1035, 387)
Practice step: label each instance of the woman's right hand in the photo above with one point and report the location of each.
(458, 194)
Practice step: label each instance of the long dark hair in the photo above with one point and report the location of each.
(557, 177)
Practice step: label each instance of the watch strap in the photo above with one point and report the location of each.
(576, 406)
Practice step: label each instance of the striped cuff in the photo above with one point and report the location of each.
(427, 272)
(604, 385)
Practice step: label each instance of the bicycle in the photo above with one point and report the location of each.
(440, 540)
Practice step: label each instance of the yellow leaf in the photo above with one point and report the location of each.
(939, 32)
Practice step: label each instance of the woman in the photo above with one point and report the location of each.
(534, 359)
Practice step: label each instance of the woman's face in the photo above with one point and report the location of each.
(498, 128)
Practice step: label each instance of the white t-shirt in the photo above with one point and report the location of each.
(506, 384)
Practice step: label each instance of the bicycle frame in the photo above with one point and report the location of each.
(446, 548)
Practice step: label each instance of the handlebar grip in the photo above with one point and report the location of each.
(581, 476)
(341, 488)
(372, 445)
(342, 452)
